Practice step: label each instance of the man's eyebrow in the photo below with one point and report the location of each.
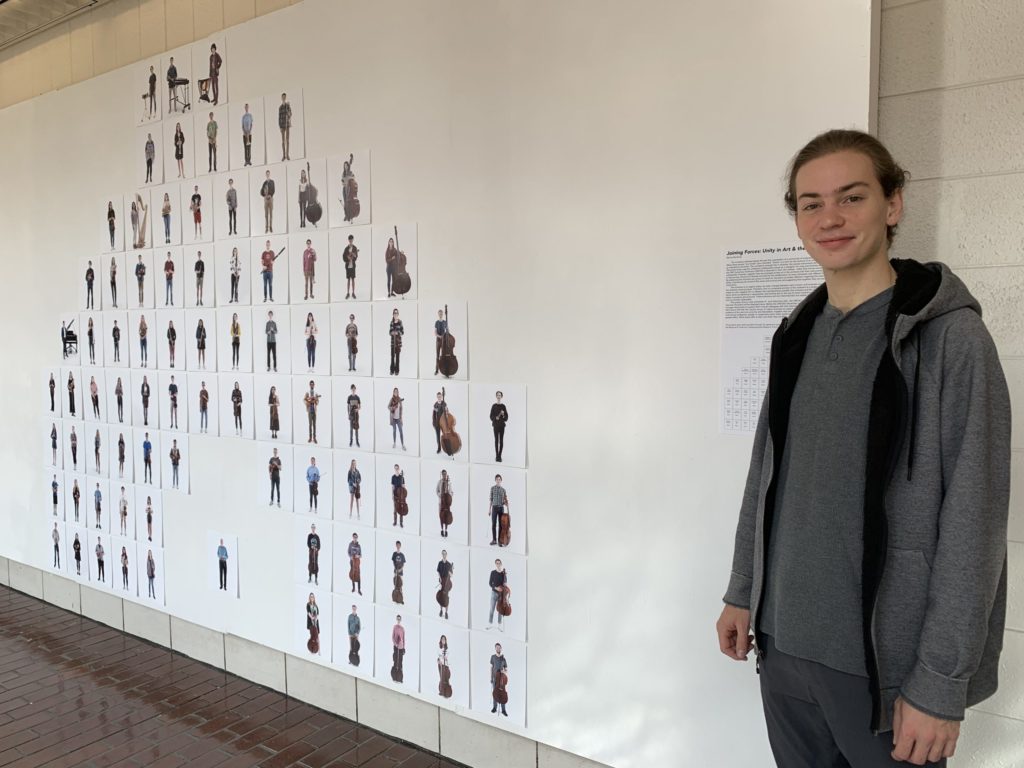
(839, 191)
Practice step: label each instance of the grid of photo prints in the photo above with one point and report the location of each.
(259, 299)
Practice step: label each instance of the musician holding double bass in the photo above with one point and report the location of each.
(444, 501)
(440, 329)
(445, 569)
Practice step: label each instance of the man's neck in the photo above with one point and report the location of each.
(850, 288)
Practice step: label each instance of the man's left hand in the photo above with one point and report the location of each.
(919, 738)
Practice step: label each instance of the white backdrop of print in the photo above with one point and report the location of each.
(211, 155)
(384, 663)
(167, 214)
(361, 240)
(173, 420)
(188, 341)
(74, 457)
(98, 521)
(480, 617)
(120, 357)
(110, 241)
(197, 220)
(481, 649)
(458, 485)
(121, 470)
(112, 279)
(232, 357)
(123, 567)
(387, 547)
(57, 507)
(100, 580)
(276, 290)
(282, 386)
(141, 339)
(282, 145)
(456, 399)
(141, 278)
(123, 513)
(348, 209)
(309, 204)
(95, 301)
(196, 383)
(147, 474)
(243, 424)
(92, 344)
(403, 238)
(177, 99)
(482, 479)
(319, 281)
(359, 663)
(387, 515)
(311, 339)
(78, 563)
(211, 566)
(151, 594)
(388, 437)
(188, 285)
(457, 330)
(431, 631)
(346, 534)
(183, 167)
(161, 336)
(175, 481)
(265, 493)
(359, 315)
(51, 401)
(457, 611)
(72, 397)
(149, 169)
(148, 91)
(306, 429)
(257, 147)
(223, 183)
(482, 433)
(276, 358)
(95, 459)
(224, 253)
(268, 200)
(383, 315)
(77, 513)
(347, 508)
(305, 647)
(146, 531)
(51, 444)
(345, 434)
(306, 570)
(71, 350)
(211, 83)
(320, 506)
(139, 212)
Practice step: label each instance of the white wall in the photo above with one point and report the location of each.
(576, 169)
(951, 96)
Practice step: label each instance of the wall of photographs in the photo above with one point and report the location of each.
(244, 289)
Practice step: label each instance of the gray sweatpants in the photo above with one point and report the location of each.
(819, 717)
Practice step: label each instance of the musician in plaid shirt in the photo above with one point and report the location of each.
(499, 504)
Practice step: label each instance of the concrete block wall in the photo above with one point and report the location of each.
(951, 96)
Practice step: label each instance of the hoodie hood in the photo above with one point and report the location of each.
(922, 293)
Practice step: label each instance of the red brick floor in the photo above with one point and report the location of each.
(77, 693)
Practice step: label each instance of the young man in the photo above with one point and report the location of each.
(90, 278)
(353, 405)
(274, 468)
(496, 581)
(499, 418)
(204, 407)
(284, 122)
(313, 481)
(352, 341)
(313, 548)
(870, 557)
(267, 193)
(499, 666)
(309, 269)
(354, 627)
(247, 134)
(215, 64)
(200, 270)
(499, 506)
(349, 257)
(355, 556)
(271, 331)
(222, 565)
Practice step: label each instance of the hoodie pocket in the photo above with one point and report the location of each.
(899, 613)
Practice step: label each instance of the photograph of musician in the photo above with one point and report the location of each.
(144, 393)
(499, 507)
(355, 558)
(247, 134)
(122, 512)
(274, 469)
(308, 267)
(90, 277)
(353, 405)
(355, 626)
(53, 441)
(235, 268)
(267, 193)
(399, 494)
(349, 256)
(398, 650)
(311, 331)
(398, 563)
(77, 547)
(497, 582)
(235, 331)
(201, 344)
(444, 672)
(204, 406)
(53, 391)
(499, 680)
(352, 341)
(179, 149)
(71, 395)
(99, 559)
(172, 395)
(355, 481)
(445, 569)
(121, 446)
(222, 565)
(390, 259)
(169, 278)
(231, 197)
(73, 439)
(97, 443)
(313, 547)
(134, 217)
(67, 338)
(175, 456)
(90, 334)
(211, 141)
(445, 492)
(151, 94)
(196, 206)
(124, 567)
(172, 341)
(76, 496)
(271, 332)
(151, 573)
(111, 222)
(267, 265)
(349, 190)
(274, 402)
(97, 497)
(303, 202)
(55, 488)
(313, 481)
(215, 64)
(115, 334)
(172, 85)
(140, 276)
(396, 330)
(284, 123)
(147, 460)
(165, 212)
(150, 154)
(438, 411)
(312, 401)
(440, 329)
(395, 417)
(236, 412)
(313, 624)
(200, 270)
(94, 396)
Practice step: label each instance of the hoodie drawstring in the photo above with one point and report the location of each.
(913, 408)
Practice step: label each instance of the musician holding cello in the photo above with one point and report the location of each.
(445, 569)
(498, 583)
(499, 508)
(499, 679)
(440, 329)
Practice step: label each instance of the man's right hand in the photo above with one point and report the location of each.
(734, 638)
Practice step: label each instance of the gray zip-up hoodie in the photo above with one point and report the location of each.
(936, 496)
